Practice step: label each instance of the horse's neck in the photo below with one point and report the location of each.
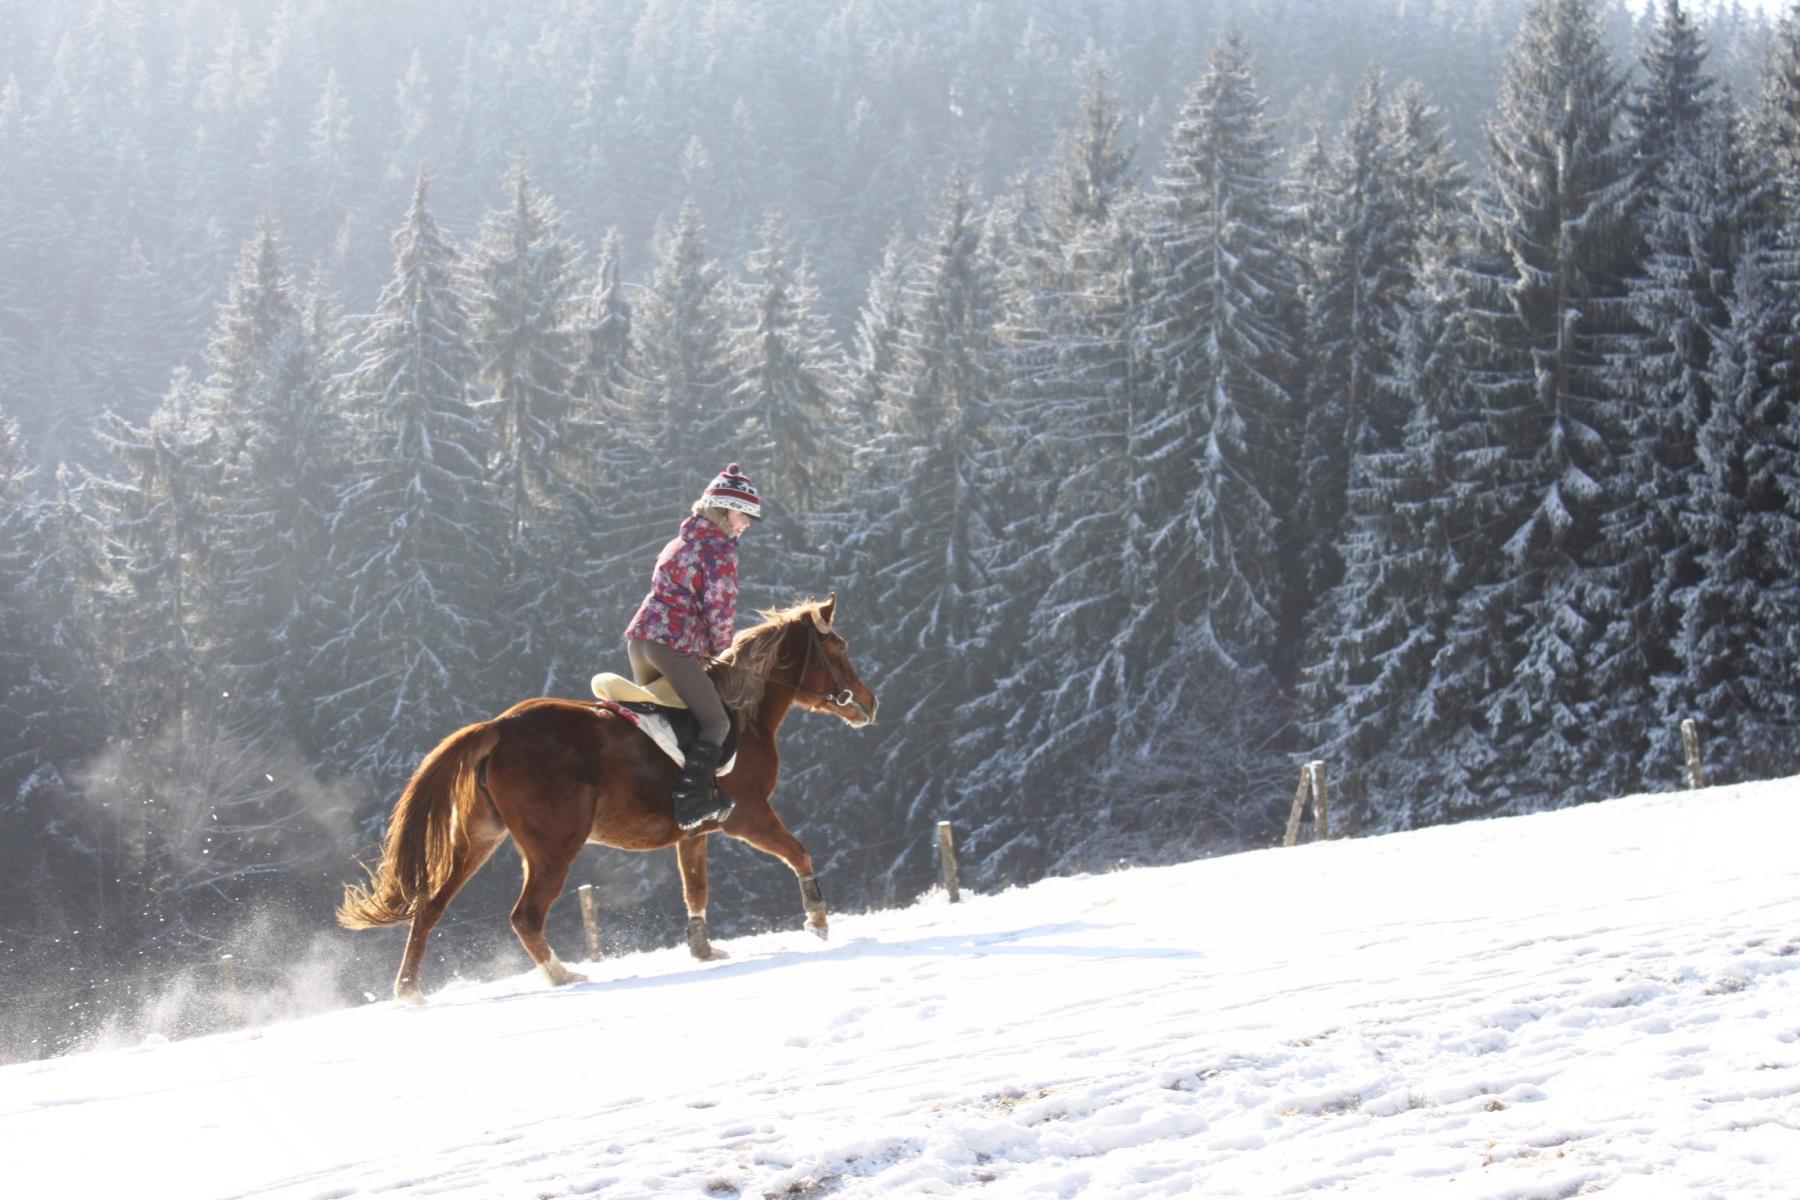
(777, 701)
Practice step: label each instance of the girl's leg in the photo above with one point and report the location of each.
(688, 678)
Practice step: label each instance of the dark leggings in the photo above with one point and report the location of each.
(651, 661)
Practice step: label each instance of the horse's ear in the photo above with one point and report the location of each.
(822, 615)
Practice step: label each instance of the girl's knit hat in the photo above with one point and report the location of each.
(733, 489)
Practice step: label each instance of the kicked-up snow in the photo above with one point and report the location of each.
(1599, 1001)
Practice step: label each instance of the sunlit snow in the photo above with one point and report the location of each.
(1597, 1001)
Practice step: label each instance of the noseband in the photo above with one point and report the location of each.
(840, 695)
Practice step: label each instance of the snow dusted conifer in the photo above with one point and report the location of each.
(684, 422)
(19, 644)
(1095, 165)
(1215, 453)
(929, 493)
(418, 533)
(1410, 510)
(876, 347)
(521, 280)
(276, 501)
(258, 311)
(1697, 196)
(1738, 641)
(603, 338)
(51, 694)
(1358, 272)
(155, 521)
(1076, 366)
(1775, 118)
(789, 379)
(1548, 294)
(1406, 501)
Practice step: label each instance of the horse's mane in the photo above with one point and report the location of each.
(754, 654)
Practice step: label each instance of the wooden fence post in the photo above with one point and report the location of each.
(1321, 822)
(947, 848)
(590, 918)
(1690, 742)
(1293, 825)
(228, 974)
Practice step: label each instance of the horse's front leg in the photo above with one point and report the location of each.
(766, 832)
(691, 854)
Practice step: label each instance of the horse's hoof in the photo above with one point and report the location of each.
(715, 954)
(561, 976)
(413, 996)
(819, 930)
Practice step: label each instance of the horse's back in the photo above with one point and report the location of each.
(556, 752)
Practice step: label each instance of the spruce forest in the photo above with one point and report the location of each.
(1172, 391)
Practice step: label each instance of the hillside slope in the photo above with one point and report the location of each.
(1602, 1000)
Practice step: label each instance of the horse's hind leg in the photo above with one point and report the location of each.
(770, 836)
(691, 854)
(545, 871)
(473, 847)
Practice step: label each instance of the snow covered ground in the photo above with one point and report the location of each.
(1604, 1001)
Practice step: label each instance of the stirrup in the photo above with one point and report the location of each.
(717, 812)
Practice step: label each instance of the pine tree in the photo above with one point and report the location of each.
(1215, 453)
(522, 277)
(418, 534)
(875, 349)
(158, 542)
(1738, 620)
(1357, 274)
(1406, 500)
(1558, 244)
(258, 312)
(789, 377)
(1076, 367)
(604, 336)
(52, 846)
(682, 424)
(930, 497)
(1775, 119)
(277, 497)
(1411, 513)
(1697, 195)
(1096, 165)
(19, 553)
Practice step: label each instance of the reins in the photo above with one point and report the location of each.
(843, 696)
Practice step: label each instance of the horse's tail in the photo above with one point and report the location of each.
(419, 851)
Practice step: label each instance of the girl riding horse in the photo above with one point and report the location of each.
(687, 618)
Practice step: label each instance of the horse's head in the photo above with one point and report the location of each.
(799, 652)
(828, 681)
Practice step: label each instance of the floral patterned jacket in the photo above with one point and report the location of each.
(692, 605)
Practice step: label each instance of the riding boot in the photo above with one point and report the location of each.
(696, 799)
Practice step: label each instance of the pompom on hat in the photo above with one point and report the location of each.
(732, 489)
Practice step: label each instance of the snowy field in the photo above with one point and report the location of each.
(1600, 1001)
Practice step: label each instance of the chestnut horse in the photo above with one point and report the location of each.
(556, 774)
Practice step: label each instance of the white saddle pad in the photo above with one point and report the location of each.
(608, 686)
(620, 690)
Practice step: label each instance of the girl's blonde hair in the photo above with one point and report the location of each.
(716, 513)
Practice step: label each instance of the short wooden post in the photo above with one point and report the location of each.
(947, 850)
(228, 974)
(1690, 742)
(1293, 825)
(590, 917)
(1322, 822)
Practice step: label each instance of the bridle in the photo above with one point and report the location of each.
(840, 695)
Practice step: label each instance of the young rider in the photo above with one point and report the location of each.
(688, 617)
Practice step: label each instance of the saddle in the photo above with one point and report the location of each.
(659, 713)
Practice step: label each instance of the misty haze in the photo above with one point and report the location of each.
(1172, 392)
